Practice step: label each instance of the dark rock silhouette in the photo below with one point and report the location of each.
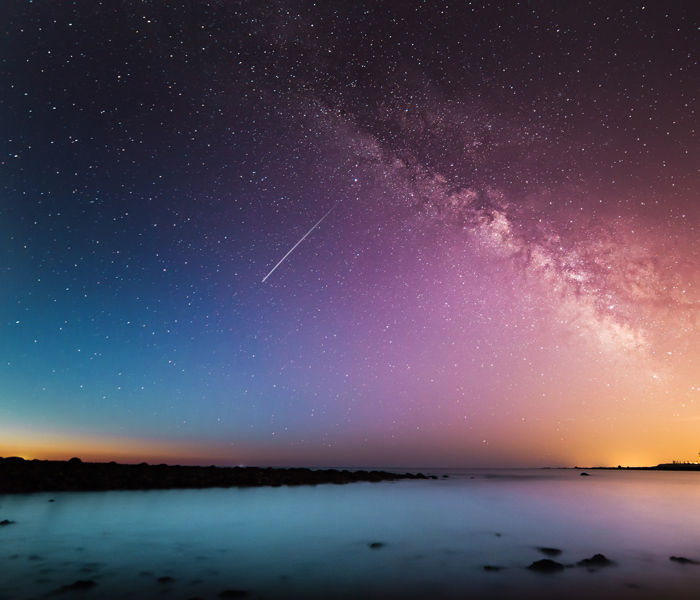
(684, 561)
(550, 551)
(597, 560)
(21, 476)
(585, 475)
(81, 584)
(492, 568)
(546, 565)
(376, 545)
(6, 522)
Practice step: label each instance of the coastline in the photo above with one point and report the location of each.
(659, 467)
(18, 476)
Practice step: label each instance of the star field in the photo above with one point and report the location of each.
(506, 272)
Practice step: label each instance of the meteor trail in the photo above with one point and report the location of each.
(301, 240)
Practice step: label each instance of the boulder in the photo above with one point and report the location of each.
(550, 551)
(684, 561)
(597, 560)
(546, 565)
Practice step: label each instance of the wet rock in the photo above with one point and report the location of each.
(684, 561)
(546, 565)
(6, 522)
(585, 475)
(550, 551)
(80, 585)
(376, 545)
(597, 560)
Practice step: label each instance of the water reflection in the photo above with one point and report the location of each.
(433, 539)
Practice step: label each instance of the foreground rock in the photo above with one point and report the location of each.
(81, 584)
(550, 551)
(20, 476)
(679, 559)
(546, 565)
(597, 560)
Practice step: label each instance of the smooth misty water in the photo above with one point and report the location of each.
(313, 542)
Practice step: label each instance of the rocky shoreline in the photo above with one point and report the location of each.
(23, 476)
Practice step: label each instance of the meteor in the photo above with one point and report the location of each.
(301, 240)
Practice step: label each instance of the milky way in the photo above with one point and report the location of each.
(498, 205)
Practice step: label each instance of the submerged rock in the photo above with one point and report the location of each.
(597, 560)
(585, 475)
(550, 551)
(546, 565)
(684, 561)
(81, 584)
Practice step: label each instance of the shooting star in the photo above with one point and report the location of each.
(301, 240)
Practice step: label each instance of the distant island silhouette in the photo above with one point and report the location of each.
(18, 475)
(674, 466)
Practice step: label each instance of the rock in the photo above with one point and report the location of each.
(546, 566)
(550, 551)
(376, 545)
(684, 561)
(597, 560)
(20, 476)
(81, 584)
(492, 568)
(6, 522)
(585, 475)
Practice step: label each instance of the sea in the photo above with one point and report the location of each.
(471, 533)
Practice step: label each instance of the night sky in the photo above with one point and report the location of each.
(507, 269)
